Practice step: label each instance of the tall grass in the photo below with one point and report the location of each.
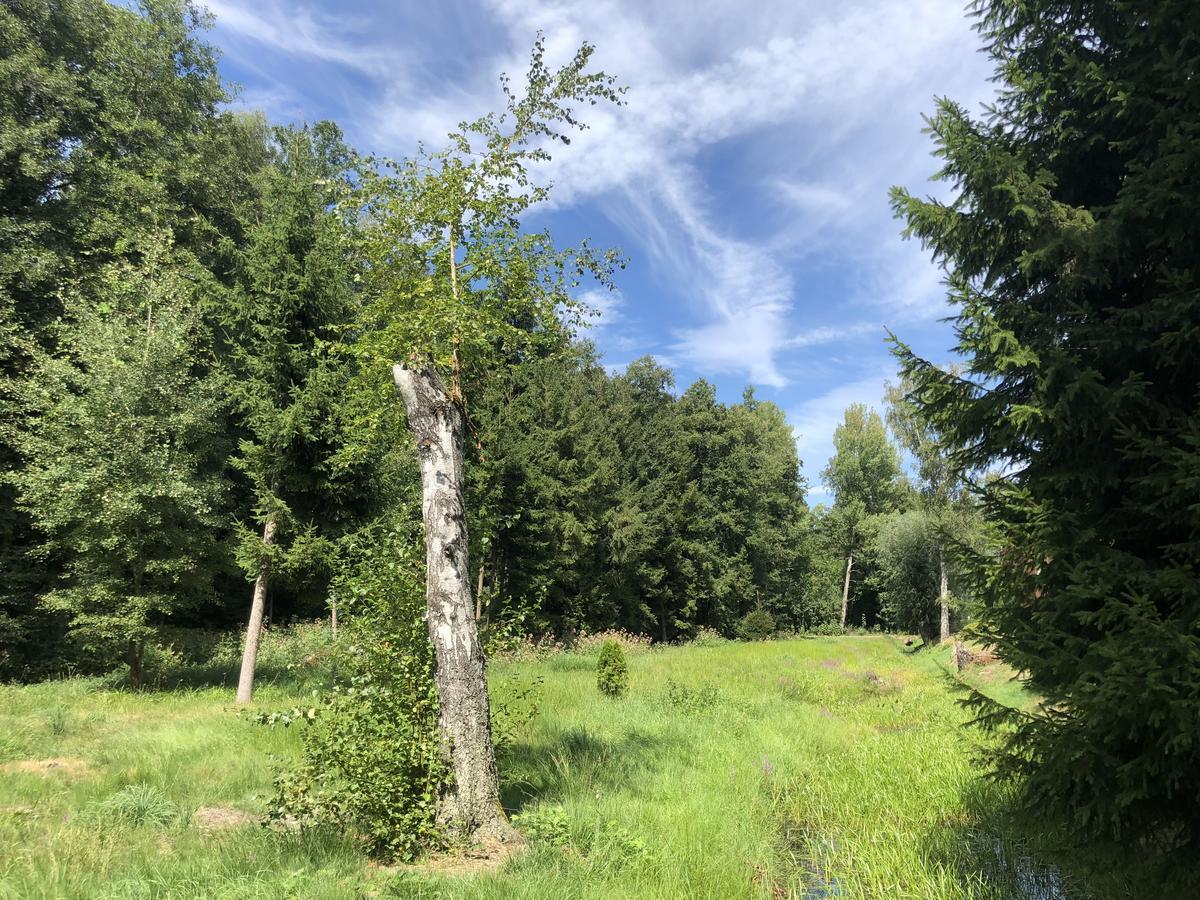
(820, 767)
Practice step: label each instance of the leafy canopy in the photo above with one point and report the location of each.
(453, 277)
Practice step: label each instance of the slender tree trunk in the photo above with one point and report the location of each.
(471, 806)
(479, 594)
(245, 689)
(333, 623)
(944, 597)
(846, 588)
(136, 650)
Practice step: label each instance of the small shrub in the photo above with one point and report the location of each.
(708, 637)
(612, 672)
(546, 825)
(605, 840)
(828, 629)
(695, 699)
(631, 644)
(161, 663)
(138, 804)
(372, 762)
(58, 720)
(618, 845)
(515, 703)
(757, 625)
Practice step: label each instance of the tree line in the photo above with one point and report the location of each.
(195, 419)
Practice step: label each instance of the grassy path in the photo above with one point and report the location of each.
(824, 767)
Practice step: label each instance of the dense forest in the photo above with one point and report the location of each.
(239, 358)
(187, 413)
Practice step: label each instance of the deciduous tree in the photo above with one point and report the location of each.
(457, 287)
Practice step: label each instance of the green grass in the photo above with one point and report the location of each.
(823, 767)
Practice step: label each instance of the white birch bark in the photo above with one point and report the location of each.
(846, 588)
(471, 806)
(944, 599)
(245, 689)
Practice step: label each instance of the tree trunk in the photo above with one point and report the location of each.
(245, 689)
(136, 649)
(479, 594)
(333, 625)
(944, 598)
(471, 806)
(846, 588)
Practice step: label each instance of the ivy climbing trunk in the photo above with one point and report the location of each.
(471, 805)
(245, 689)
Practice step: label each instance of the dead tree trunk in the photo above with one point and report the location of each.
(846, 588)
(471, 806)
(944, 599)
(245, 690)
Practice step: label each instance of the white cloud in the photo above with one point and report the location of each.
(295, 29)
(606, 307)
(816, 104)
(830, 334)
(809, 77)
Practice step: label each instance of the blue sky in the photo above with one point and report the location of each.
(745, 179)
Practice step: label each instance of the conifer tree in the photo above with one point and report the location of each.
(1070, 251)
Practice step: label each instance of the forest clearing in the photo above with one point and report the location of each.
(804, 768)
(553, 449)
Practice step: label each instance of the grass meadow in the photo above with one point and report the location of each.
(823, 767)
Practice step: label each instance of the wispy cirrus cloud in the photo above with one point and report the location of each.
(305, 32)
(746, 176)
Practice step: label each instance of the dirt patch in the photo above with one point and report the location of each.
(488, 857)
(831, 664)
(70, 766)
(221, 818)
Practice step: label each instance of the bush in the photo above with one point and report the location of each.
(372, 761)
(758, 625)
(708, 637)
(697, 699)
(612, 673)
(631, 644)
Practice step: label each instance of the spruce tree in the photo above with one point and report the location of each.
(1070, 250)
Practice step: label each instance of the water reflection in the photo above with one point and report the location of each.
(1017, 874)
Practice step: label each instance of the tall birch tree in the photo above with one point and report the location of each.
(295, 293)
(456, 288)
